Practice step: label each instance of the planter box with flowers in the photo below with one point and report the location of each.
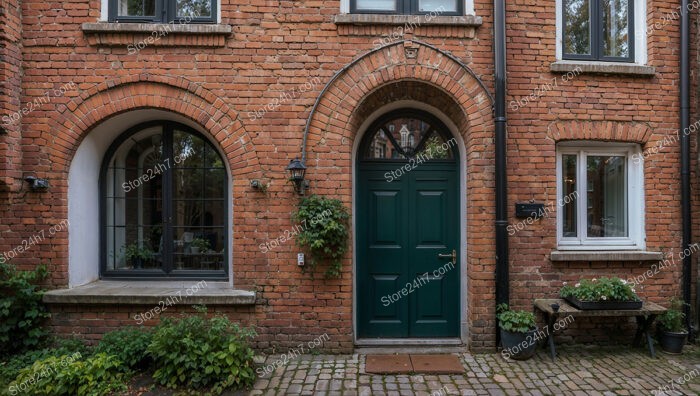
(603, 293)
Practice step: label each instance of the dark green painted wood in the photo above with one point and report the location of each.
(402, 226)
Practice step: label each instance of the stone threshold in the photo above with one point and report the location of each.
(610, 255)
(152, 292)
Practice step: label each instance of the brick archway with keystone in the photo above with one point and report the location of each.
(411, 70)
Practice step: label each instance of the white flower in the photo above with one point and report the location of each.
(604, 298)
(624, 282)
(564, 283)
(594, 279)
(577, 285)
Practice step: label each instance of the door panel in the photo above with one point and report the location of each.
(384, 256)
(434, 214)
(402, 227)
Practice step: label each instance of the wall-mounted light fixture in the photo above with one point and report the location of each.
(37, 184)
(297, 171)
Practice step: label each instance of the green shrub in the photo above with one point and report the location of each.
(129, 345)
(9, 370)
(200, 353)
(71, 375)
(22, 312)
(323, 232)
(673, 320)
(603, 289)
(515, 321)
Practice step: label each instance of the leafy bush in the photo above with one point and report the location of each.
(9, 370)
(22, 312)
(198, 353)
(71, 375)
(673, 319)
(324, 232)
(129, 345)
(515, 321)
(603, 289)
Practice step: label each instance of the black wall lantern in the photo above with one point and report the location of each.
(297, 171)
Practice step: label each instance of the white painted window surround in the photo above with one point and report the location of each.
(640, 33)
(633, 191)
(468, 7)
(84, 194)
(105, 6)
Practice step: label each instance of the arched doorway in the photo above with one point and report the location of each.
(408, 228)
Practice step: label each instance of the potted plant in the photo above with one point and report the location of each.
(671, 328)
(199, 244)
(137, 255)
(603, 293)
(518, 333)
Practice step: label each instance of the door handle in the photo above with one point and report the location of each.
(452, 255)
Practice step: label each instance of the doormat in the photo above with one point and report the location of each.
(409, 364)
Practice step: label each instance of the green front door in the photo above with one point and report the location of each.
(408, 282)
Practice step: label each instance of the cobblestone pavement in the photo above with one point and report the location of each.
(578, 370)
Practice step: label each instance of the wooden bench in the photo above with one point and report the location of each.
(645, 317)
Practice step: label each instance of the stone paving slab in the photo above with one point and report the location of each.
(578, 370)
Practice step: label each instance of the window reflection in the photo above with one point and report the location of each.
(406, 137)
(607, 196)
(165, 203)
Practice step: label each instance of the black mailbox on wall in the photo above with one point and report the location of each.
(524, 210)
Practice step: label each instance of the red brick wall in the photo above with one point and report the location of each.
(276, 49)
(594, 107)
(10, 91)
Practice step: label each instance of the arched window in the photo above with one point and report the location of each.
(408, 134)
(164, 205)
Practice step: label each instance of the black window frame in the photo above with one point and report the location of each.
(168, 272)
(165, 13)
(596, 17)
(406, 7)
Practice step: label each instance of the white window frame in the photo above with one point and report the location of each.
(635, 197)
(640, 34)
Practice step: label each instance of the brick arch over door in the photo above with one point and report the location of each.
(77, 118)
(387, 75)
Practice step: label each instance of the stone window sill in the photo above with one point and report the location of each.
(151, 293)
(608, 68)
(394, 27)
(610, 255)
(419, 20)
(156, 34)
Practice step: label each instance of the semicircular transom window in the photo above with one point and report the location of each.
(164, 205)
(409, 134)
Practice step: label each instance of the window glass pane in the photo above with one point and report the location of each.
(199, 213)
(568, 198)
(382, 147)
(577, 27)
(437, 6)
(194, 8)
(615, 27)
(199, 248)
(134, 209)
(137, 7)
(436, 148)
(607, 196)
(378, 5)
(136, 202)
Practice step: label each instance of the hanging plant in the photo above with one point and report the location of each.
(324, 232)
